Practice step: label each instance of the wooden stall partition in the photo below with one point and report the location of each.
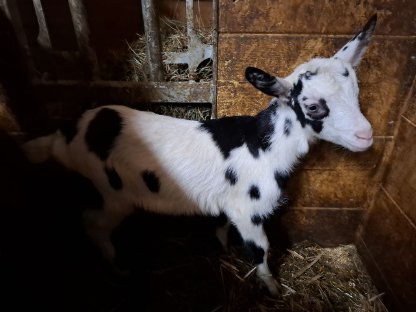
(387, 238)
(332, 189)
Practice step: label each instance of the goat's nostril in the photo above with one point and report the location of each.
(366, 134)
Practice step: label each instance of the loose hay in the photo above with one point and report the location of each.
(174, 39)
(312, 278)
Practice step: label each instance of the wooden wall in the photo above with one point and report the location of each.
(332, 189)
(387, 238)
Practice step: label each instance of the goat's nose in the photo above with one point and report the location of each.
(364, 134)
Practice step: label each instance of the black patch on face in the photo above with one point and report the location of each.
(321, 112)
(231, 176)
(254, 192)
(103, 131)
(232, 132)
(346, 73)
(256, 219)
(317, 125)
(287, 126)
(151, 180)
(281, 179)
(69, 130)
(254, 252)
(113, 178)
(344, 48)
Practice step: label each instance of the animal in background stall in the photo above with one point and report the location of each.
(236, 167)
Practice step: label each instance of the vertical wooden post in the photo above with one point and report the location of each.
(154, 50)
(11, 10)
(44, 38)
(82, 33)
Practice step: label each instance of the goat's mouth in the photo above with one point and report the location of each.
(358, 144)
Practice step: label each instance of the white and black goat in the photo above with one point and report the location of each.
(232, 166)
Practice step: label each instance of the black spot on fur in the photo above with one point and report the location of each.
(103, 131)
(254, 192)
(256, 219)
(254, 252)
(308, 75)
(69, 130)
(344, 48)
(151, 180)
(231, 176)
(232, 132)
(281, 179)
(346, 73)
(113, 178)
(287, 126)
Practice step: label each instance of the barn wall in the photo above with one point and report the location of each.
(333, 188)
(387, 237)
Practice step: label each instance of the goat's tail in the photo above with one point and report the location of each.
(42, 148)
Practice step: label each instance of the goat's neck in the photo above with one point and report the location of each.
(289, 140)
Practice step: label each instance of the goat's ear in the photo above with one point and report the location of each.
(355, 48)
(266, 83)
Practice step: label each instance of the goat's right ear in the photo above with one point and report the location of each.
(266, 83)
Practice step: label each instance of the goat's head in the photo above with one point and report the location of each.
(324, 93)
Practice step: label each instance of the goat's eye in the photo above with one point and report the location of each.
(313, 108)
(317, 110)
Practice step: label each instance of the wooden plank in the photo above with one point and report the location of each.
(396, 17)
(328, 227)
(400, 179)
(385, 74)
(390, 239)
(154, 47)
(82, 33)
(341, 188)
(123, 92)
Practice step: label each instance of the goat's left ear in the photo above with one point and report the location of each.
(355, 48)
(267, 83)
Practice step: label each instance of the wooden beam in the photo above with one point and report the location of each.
(129, 93)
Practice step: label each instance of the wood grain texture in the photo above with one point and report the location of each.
(410, 112)
(329, 188)
(327, 227)
(385, 74)
(400, 179)
(390, 239)
(396, 17)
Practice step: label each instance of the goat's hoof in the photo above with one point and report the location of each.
(273, 286)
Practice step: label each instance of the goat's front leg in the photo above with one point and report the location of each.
(257, 245)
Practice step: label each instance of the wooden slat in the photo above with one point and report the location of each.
(330, 188)
(82, 33)
(328, 227)
(154, 47)
(390, 239)
(396, 17)
(385, 73)
(401, 171)
(123, 92)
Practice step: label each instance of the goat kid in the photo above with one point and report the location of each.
(233, 166)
